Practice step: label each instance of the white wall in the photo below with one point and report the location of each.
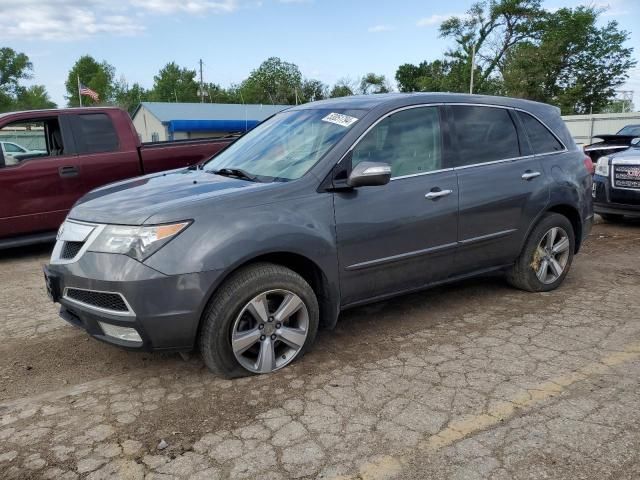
(146, 125)
(584, 127)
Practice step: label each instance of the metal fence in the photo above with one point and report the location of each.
(29, 139)
(584, 127)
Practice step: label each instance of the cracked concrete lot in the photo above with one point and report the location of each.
(474, 380)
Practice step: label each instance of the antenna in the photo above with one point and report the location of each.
(473, 66)
(201, 84)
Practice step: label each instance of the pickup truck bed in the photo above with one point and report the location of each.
(78, 150)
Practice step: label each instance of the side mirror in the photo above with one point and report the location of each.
(369, 174)
(635, 142)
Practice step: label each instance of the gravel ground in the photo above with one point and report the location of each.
(474, 380)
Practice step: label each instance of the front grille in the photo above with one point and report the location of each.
(626, 176)
(104, 300)
(70, 250)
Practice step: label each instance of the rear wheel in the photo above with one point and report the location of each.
(260, 320)
(612, 217)
(546, 257)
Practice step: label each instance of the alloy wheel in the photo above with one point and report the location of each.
(270, 331)
(551, 256)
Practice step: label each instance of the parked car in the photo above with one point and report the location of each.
(12, 152)
(323, 207)
(610, 144)
(616, 186)
(85, 148)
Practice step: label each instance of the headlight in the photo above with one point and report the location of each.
(602, 167)
(136, 242)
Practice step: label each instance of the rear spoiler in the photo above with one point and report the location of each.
(617, 139)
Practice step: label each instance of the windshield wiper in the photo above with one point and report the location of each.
(236, 172)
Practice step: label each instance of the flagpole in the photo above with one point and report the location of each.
(79, 95)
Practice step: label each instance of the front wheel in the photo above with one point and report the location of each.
(261, 319)
(546, 257)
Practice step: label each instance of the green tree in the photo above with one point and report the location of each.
(218, 94)
(98, 76)
(491, 28)
(14, 67)
(343, 88)
(128, 97)
(274, 81)
(175, 84)
(372, 83)
(572, 62)
(436, 76)
(32, 98)
(312, 90)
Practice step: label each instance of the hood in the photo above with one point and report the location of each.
(133, 201)
(632, 153)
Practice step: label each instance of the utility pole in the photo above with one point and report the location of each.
(473, 66)
(201, 84)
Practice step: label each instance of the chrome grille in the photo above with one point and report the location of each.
(103, 300)
(626, 176)
(70, 249)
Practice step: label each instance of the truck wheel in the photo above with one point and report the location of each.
(612, 217)
(261, 319)
(546, 257)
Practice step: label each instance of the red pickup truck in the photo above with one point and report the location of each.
(69, 152)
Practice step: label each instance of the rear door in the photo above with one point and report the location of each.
(402, 235)
(104, 156)
(502, 186)
(38, 189)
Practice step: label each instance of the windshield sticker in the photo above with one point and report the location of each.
(340, 119)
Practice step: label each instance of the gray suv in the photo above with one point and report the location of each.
(323, 207)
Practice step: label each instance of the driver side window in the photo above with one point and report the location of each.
(408, 140)
(30, 139)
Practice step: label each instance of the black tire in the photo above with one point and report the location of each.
(612, 217)
(523, 273)
(229, 300)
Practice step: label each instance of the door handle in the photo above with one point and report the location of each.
(529, 175)
(68, 171)
(436, 194)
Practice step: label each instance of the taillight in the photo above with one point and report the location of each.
(588, 164)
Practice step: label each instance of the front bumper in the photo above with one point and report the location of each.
(614, 201)
(164, 310)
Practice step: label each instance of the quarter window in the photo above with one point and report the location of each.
(540, 138)
(483, 134)
(408, 140)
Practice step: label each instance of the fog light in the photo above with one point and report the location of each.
(125, 334)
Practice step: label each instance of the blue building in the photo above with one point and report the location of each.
(160, 121)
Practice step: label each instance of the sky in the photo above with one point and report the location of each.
(327, 39)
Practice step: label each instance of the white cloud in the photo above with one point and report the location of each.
(381, 28)
(437, 19)
(187, 6)
(67, 19)
(74, 19)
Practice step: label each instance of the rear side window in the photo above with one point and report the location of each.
(94, 133)
(483, 134)
(408, 140)
(540, 138)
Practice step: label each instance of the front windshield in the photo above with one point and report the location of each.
(630, 130)
(287, 145)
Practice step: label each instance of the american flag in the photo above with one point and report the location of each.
(84, 90)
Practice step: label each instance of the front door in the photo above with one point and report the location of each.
(38, 188)
(402, 235)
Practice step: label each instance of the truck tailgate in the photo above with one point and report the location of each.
(159, 156)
